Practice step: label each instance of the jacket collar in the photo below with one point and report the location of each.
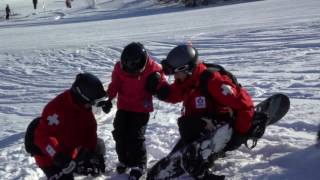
(71, 102)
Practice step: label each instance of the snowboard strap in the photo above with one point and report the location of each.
(257, 129)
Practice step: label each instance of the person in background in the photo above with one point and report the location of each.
(134, 105)
(221, 99)
(35, 2)
(68, 3)
(8, 12)
(66, 134)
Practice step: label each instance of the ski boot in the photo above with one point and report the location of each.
(208, 175)
(121, 168)
(136, 173)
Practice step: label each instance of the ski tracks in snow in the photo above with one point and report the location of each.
(274, 59)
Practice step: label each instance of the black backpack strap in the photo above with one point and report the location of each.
(203, 84)
(216, 67)
(211, 68)
(207, 74)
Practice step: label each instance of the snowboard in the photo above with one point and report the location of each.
(201, 153)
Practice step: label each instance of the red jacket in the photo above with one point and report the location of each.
(225, 97)
(132, 95)
(64, 127)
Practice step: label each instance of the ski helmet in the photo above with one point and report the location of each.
(87, 88)
(181, 58)
(134, 58)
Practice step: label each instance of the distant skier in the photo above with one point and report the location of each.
(190, 3)
(68, 3)
(221, 99)
(134, 107)
(64, 140)
(35, 2)
(8, 12)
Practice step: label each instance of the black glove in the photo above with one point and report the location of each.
(64, 162)
(106, 107)
(163, 92)
(90, 163)
(152, 82)
(235, 142)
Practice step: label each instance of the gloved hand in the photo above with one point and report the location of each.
(90, 163)
(163, 92)
(152, 82)
(64, 162)
(106, 107)
(208, 124)
(235, 142)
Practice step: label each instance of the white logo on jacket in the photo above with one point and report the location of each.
(53, 120)
(227, 89)
(50, 150)
(200, 102)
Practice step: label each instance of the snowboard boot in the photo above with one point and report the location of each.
(121, 168)
(213, 177)
(136, 173)
(208, 175)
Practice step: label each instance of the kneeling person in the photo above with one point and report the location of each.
(66, 134)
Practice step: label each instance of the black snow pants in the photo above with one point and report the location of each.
(128, 133)
(190, 129)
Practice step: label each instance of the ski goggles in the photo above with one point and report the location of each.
(169, 70)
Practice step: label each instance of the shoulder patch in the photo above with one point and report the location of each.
(226, 89)
(53, 120)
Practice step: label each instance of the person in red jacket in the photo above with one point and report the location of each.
(134, 104)
(225, 100)
(67, 131)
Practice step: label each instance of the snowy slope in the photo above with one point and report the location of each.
(271, 45)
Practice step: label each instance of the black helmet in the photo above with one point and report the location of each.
(87, 88)
(134, 58)
(180, 58)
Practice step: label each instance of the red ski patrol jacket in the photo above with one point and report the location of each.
(132, 95)
(64, 127)
(225, 97)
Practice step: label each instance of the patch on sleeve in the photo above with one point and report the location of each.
(200, 102)
(50, 150)
(226, 89)
(53, 120)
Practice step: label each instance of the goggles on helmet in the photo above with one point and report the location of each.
(97, 102)
(169, 70)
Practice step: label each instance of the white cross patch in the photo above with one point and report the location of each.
(200, 102)
(227, 89)
(53, 120)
